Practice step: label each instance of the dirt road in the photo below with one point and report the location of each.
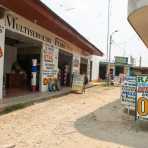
(92, 120)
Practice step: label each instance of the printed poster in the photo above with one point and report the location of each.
(128, 93)
(142, 98)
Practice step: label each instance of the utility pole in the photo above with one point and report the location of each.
(110, 48)
(140, 61)
(108, 30)
(108, 39)
(109, 61)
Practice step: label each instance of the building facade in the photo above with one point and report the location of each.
(116, 69)
(37, 46)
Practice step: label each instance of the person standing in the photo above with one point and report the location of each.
(85, 82)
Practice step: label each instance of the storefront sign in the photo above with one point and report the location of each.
(78, 82)
(14, 23)
(121, 60)
(128, 94)
(60, 43)
(142, 98)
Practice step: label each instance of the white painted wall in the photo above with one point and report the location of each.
(2, 43)
(95, 67)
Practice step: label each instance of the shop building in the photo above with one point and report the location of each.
(120, 66)
(37, 46)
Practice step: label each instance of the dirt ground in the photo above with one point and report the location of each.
(92, 120)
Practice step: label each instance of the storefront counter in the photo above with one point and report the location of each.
(16, 80)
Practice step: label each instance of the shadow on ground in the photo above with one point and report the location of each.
(111, 123)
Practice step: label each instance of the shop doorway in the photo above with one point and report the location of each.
(102, 71)
(91, 64)
(119, 69)
(65, 68)
(83, 66)
(18, 56)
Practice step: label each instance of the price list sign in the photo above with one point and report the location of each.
(128, 92)
(142, 98)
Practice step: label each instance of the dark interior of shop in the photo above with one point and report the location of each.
(119, 69)
(19, 52)
(102, 71)
(65, 68)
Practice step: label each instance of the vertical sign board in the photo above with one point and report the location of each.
(128, 93)
(78, 83)
(48, 65)
(142, 98)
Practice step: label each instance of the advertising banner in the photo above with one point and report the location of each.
(78, 82)
(142, 98)
(49, 62)
(128, 93)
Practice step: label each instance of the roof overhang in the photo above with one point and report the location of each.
(36, 10)
(137, 17)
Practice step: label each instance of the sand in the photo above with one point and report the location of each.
(95, 119)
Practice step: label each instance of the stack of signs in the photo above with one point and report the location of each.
(128, 94)
(78, 82)
(142, 98)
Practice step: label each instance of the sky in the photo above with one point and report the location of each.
(89, 17)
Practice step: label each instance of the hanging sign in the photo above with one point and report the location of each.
(128, 93)
(142, 98)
